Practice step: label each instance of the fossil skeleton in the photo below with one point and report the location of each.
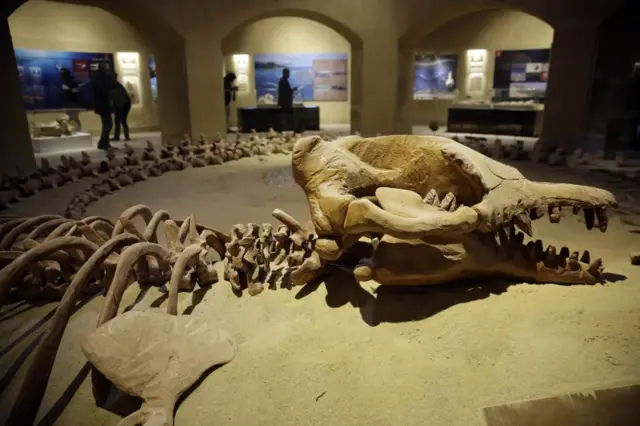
(433, 211)
(411, 191)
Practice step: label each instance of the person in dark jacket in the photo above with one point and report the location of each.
(121, 102)
(229, 93)
(71, 97)
(102, 83)
(285, 92)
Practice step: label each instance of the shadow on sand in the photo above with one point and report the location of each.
(393, 304)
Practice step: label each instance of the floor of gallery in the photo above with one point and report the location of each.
(341, 354)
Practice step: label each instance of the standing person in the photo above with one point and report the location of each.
(102, 83)
(285, 101)
(121, 102)
(285, 92)
(71, 97)
(229, 93)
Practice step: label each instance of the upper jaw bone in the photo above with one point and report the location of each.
(510, 200)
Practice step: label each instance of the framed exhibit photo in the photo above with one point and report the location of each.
(41, 76)
(132, 86)
(521, 74)
(475, 83)
(129, 63)
(316, 77)
(241, 64)
(242, 82)
(153, 79)
(435, 76)
(476, 60)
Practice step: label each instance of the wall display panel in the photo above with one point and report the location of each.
(315, 76)
(241, 68)
(434, 76)
(41, 81)
(132, 86)
(521, 74)
(153, 79)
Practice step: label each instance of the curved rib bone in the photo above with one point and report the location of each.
(131, 213)
(34, 385)
(46, 226)
(130, 256)
(187, 256)
(10, 237)
(8, 273)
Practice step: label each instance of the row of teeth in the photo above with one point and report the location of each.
(512, 241)
(523, 220)
(448, 203)
(590, 216)
(508, 238)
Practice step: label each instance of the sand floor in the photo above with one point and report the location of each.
(338, 355)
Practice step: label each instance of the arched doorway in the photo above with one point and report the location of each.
(482, 43)
(154, 37)
(304, 36)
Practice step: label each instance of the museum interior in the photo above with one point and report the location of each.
(452, 186)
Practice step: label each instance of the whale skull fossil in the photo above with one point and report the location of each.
(438, 201)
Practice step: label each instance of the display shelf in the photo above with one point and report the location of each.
(263, 118)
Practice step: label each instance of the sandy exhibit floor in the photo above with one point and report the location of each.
(341, 354)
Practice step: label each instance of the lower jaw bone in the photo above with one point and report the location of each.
(418, 262)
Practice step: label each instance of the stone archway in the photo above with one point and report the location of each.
(168, 47)
(489, 28)
(353, 39)
(410, 41)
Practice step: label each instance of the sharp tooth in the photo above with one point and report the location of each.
(586, 257)
(502, 236)
(573, 263)
(532, 250)
(448, 202)
(519, 237)
(523, 222)
(564, 252)
(432, 198)
(576, 210)
(595, 267)
(535, 213)
(550, 255)
(554, 214)
(589, 218)
(603, 220)
(539, 246)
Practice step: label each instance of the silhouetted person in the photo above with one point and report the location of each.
(285, 92)
(102, 84)
(71, 97)
(229, 93)
(121, 102)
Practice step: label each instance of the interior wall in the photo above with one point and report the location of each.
(496, 29)
(65, 27)
(287, 35)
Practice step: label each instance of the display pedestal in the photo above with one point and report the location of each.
(499, 120)
(299, 119)
(51, 145)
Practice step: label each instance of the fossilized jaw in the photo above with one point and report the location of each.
(520, 201)
(443, 258)
(380, 186)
